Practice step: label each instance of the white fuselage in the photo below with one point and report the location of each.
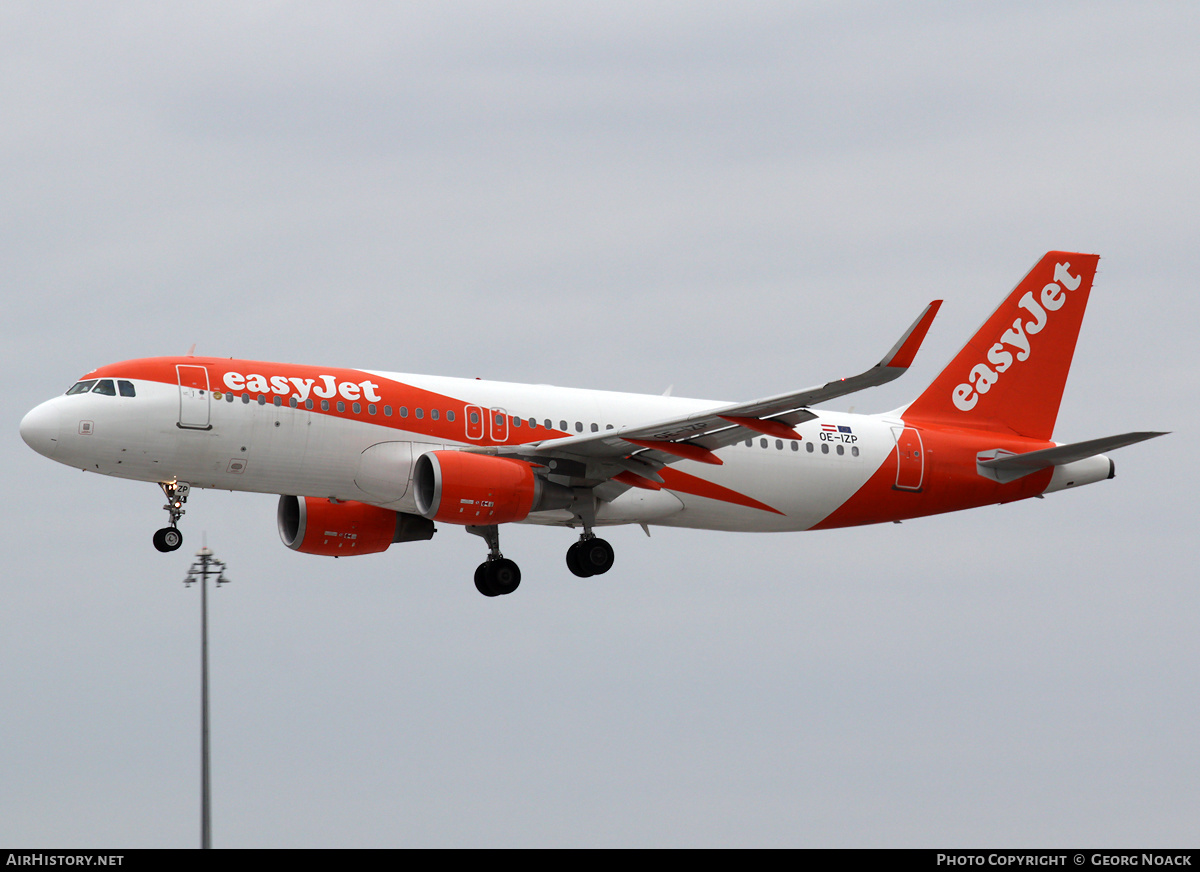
(243, 441)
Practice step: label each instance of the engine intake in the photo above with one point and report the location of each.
(312, 525)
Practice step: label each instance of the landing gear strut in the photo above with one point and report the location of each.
(496, 576)
(169, 538)
(590, 555)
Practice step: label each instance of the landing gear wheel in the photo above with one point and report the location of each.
(502, 576)
(168, 539)
(495, 576)
(575, 561)
(590, 557)
(597, 555)
(481, 582)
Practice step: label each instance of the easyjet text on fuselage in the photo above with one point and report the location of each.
(323, 386)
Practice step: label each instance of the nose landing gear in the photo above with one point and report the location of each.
(169, 538)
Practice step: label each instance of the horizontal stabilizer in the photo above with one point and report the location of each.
(1034, 460)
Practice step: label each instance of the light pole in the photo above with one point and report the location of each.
(205, 566)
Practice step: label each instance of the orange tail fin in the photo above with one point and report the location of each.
(1010, 376)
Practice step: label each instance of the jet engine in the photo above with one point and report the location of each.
(459, 487)
(313, 525)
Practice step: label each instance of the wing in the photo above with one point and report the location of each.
(632, 455)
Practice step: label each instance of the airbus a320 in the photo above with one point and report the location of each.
(364, 459)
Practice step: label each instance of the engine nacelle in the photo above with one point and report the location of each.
(313, 525)
(459, 487)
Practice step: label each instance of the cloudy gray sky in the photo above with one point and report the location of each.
(733, 199)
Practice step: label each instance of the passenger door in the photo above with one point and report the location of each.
(193, 397)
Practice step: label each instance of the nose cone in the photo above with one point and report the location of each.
(40, 428)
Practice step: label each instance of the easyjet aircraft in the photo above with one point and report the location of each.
(364, 459)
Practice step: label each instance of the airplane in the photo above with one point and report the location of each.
(364, 459)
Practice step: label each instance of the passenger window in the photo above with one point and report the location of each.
(229, 396)
(578, 426)
(824, 447)
(262, 401)
(562, 425)
(778, 444)
(841, 449)
(341, 407)
(293, 402)
(324, 405)
(126, 388)
(308, 404)
(387, 411)
(433, 414)
(854, 450)
(749, 443)
(372, 409)
(763, 443)
(608, 426)
(420, 413)
(105, 387)
(517, 422)
(595, 428)
(474, 417)
(533, 422)
(404, 411)
(278, 400)
(81, 387)
(548, 424)
(245, 398)
(449, 415)
(808, 446)
(357, 408)
(795, 445)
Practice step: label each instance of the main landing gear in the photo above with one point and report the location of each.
(169, 538)
(496, 576)
(590, 556)
(499, 576)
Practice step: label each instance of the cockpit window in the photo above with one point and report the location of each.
(127, 390)
(81, 387)
(106, 387)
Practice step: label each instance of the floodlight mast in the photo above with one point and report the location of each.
(205, 566)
